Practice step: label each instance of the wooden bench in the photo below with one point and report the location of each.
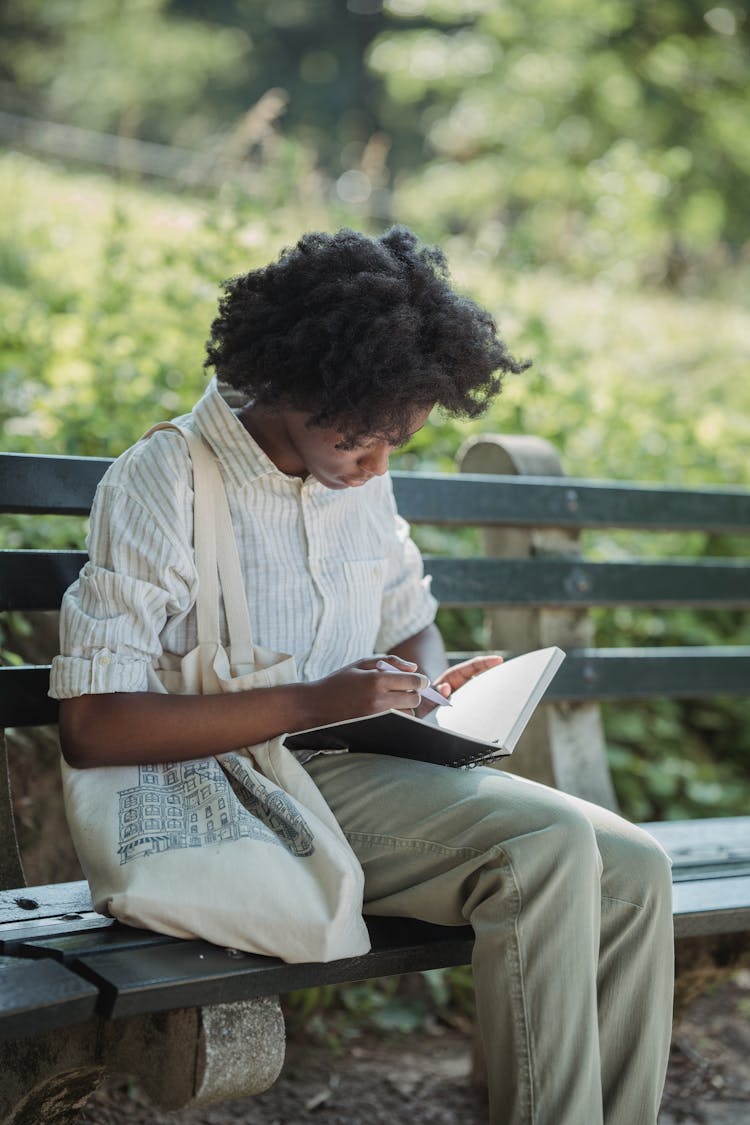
(82, 995)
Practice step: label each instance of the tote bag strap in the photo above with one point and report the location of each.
(216, 552)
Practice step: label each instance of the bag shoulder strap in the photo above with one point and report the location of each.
(216, 551)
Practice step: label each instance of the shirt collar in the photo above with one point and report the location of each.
(242, 457)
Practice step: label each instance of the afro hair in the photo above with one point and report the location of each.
(358, 332)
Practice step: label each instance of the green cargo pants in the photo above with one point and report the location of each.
(571, 908)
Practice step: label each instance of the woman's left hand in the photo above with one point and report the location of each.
(454, 678)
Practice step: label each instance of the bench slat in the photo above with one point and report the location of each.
(40, 484)
(58, 900)
(36, 483)
(713, 848)
(36, 580)
(23, 697)
(68, 948)
(562, 582)
(190, 973)
(712, 906)
(586, 674)
(589, 674)
(13, 935)
(567, 502)
(41, 996)
(690, 843)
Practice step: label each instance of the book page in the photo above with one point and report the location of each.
(496, 705)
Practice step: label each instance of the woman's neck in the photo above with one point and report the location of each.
(268, 428)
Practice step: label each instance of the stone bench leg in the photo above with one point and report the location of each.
(188, 1057)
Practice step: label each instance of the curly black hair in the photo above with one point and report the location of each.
(359, 332)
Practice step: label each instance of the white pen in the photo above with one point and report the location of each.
(428, 692)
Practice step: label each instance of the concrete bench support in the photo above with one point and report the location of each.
(563, 745)
(186, 1057)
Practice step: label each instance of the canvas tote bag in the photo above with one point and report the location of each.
(240, 849)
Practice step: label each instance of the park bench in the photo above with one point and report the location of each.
(81, 995)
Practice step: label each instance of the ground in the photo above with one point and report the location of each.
(423, 1079)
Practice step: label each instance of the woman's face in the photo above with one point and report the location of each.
(301, 450)
(319, 451)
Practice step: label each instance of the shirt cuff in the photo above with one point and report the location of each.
(104, 672)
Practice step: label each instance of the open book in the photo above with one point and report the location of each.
(488, 716)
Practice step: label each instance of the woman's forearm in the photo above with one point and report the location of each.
(137, 728)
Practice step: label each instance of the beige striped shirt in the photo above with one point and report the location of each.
(330, 576)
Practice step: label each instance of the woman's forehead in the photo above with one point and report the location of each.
(413, 420)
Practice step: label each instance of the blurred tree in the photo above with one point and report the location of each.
(179, 71)
(132, 69)
(315, 50)
(610, 134)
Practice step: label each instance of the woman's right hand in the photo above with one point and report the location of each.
(363, 688)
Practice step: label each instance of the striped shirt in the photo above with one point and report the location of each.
(331, 576)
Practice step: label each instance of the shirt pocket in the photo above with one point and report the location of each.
(356, 590)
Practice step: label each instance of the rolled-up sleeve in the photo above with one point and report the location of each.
(140, 573)
(408, 605)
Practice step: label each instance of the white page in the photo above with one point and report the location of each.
(496, 705)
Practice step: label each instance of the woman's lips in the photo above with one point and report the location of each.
(355, 482)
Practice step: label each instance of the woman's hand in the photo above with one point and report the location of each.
(454, 678)
(364, 689)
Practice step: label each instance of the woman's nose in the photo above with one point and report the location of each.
(375, 460)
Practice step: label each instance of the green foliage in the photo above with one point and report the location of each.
(186, 74)
(671, 759)
(628, 385)
(108, 292)
(607, 136)
(611, 136)
(133, 69)
(392, 1005)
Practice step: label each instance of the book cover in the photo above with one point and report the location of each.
(488, 716)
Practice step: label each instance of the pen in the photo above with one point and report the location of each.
(427, 693)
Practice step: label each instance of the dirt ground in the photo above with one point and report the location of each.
(424, 1079)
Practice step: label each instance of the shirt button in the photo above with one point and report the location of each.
(377, 570)
(105, 660)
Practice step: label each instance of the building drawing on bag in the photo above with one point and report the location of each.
(181, 805)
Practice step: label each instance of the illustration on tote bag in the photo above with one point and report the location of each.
(190, 804)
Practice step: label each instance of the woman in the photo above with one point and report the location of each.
(341, 349)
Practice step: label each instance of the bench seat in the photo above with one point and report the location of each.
(41, 996)
(130, 971)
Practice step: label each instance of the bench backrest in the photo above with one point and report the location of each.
(531, 580)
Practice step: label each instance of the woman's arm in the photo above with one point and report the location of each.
(137, 728)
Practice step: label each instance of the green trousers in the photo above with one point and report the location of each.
(571, 908)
